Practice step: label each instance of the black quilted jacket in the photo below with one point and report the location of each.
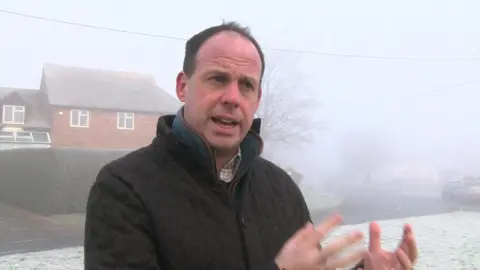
(163, 207)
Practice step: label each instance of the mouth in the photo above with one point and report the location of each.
(225, 122)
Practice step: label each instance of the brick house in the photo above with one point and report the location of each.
(24, 120)
(89, 108)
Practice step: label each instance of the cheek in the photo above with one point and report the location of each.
(204, 106)
(253, 106)
(249, 112)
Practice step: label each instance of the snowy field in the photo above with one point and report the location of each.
(448, 241)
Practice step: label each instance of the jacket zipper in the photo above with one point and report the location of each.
(236, 202)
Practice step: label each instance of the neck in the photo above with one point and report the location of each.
(251, 146)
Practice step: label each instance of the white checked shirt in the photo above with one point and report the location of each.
(227, 173)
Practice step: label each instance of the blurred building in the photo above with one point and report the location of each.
(83, 108)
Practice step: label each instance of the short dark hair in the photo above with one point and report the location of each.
(195, 43)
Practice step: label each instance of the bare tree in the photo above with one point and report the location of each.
(287, 109)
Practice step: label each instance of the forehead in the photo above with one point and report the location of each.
(230, 51)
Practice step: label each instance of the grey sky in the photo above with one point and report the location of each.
(441, 126)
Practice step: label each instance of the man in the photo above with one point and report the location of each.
(201, 197)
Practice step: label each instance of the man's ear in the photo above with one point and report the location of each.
(182, 86)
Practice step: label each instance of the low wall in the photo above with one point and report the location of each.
(51, 180)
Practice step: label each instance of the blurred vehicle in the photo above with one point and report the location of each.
(463, 189)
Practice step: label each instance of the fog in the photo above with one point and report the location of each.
(416, 97)
(381, 98)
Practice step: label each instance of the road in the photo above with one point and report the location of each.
(367, 206)
(22, 232)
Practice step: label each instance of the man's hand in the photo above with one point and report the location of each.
(302, 251)
(403, 258)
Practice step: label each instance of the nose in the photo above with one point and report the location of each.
(231, 95)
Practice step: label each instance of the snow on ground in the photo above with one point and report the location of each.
(447, 241)
(57, 259)
(317, 200)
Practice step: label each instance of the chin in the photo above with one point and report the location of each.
(223, 144)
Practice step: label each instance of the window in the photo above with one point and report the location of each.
(125, 120)
(79, 118)
(13, 114)
(24, 137)
(42, 137)
(6, 136)
(36, 137)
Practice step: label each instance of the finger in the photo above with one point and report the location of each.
(404, 243)
(405, 248)
(403, 260)
(327, 226)
(340, 244)
(346, 261)
(411, 243)
(375, 244)
(408, 244)
(407, 230)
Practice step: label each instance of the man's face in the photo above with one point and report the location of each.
(222, 95)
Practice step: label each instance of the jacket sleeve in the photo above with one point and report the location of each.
(118, 234)
(302, 206)
(269, 266)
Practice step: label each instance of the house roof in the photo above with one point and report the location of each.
(36, 105)
(5, 91)
(104, 89)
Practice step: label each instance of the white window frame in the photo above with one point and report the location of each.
(15, 136)
(8, 137)
(78, 114)
(28, 136)
(14, 108)
(125, 117)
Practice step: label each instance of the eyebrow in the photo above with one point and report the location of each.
(243, 77)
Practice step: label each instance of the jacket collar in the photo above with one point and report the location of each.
(175, 127)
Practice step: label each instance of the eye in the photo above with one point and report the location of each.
(219, 78)
(249, 85)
